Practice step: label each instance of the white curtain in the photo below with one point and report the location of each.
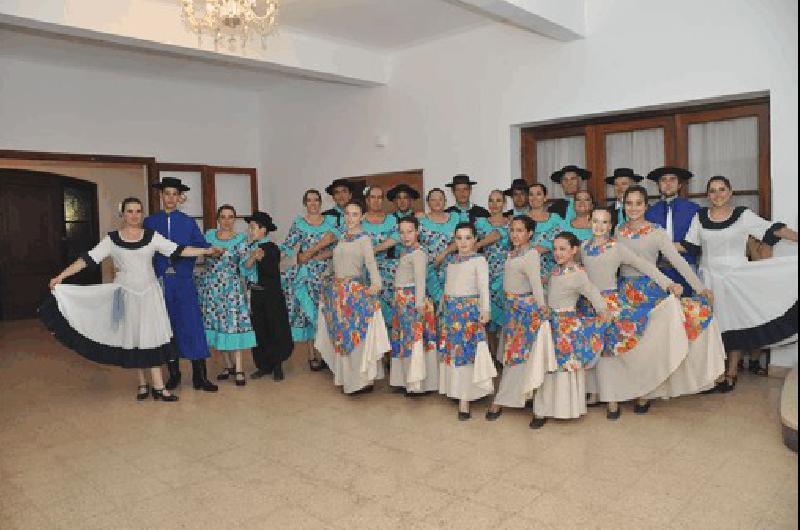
(641, 150)
(552, 155)
(728, 148)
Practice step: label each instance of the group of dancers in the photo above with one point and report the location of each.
(575, 304)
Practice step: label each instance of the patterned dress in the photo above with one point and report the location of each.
(434, 238)
(223, 301)
(380, 232)
(302, 284)
(543, 236)
(496, 257)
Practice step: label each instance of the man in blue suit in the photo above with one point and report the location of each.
(674, 214)
(177, 279)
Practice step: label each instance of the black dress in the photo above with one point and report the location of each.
(268, 312)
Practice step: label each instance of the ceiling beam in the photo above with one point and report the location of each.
(562, 20)
(156, 25)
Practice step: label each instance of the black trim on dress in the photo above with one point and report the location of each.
(97, 352)
(147, 237)
(177, 254)
(88, 260)
(691, 248)
(770, 237)
(766, 334)
(708, 224)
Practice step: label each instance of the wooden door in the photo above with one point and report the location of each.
(31, 236)
(388, 181)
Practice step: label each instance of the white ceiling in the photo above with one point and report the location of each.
(379, 24)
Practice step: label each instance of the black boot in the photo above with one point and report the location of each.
(277, 372)
(174, 375)
(200, 378)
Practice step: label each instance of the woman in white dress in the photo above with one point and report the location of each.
(755, 302)
(352, 336)
(123, 323)
(466, 368)
(415, 363)
(526, 342)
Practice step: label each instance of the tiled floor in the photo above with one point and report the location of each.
(77, 451)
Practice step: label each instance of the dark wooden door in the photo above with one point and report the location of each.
(31, 238)
(389, 180)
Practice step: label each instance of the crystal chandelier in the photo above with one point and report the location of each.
(231, 20)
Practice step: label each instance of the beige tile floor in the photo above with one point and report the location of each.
(77, 451)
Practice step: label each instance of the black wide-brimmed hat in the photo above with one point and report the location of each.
(582, 173)
(624, 172)
(339, 183)
(171, 182)
(402, 188)
(656, 174)
(263, 219)
(461, 179)
(517, 184)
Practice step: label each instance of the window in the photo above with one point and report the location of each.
(729, 139)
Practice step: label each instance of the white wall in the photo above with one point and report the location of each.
(70, 96)
(450, 104)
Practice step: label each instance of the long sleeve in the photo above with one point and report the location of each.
(166, 247)
(420, 273)
(482, 272)
(668, 250)
(590, 291)
(100, 252)
(197, 239)
(289, 244)
(269, 268)
(632, 259)
(370, 263)
(533, 272)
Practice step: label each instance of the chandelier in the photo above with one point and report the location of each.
(231, 20)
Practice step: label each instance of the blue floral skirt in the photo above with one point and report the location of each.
(348, 310)
(410, 325)
(460, 330)
(578, 340)
(522, 320)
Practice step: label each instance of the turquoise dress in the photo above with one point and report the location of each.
(584, 234)
(496, 257)
(223, 298)
(302, 284)
(386, 266)
(545, 232)
(434, 238)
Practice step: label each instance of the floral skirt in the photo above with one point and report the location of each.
(522, 321)
(410, 325)
(578, 340)
(642, 292)
(348, 313)
(460, 330)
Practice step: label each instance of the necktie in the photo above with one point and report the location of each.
(669, 227)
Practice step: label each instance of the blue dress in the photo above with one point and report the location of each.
(223, 299)
(434, 238)
(302, 284)
(683, 211)
(543, 236)
(495, 254)
(178, 280)
(386, 265)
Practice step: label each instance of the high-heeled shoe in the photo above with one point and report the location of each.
(464, 416)
(240, 381)
(641, 408)
(158, 395)
(614, 416)
(492, 415)
(144, 392)
(225, 374)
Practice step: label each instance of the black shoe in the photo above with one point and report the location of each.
(614, 416)
(240, 380)
(277, 373)
(174, 375)
(641, 409)
(315, 365)
(537, 423)
(492, 416)
(413, 394)
(225, 374)
(725, 386)
(144, 392)
(258, 374)
(158, 395)
(200, 379)
(464, 416)
(323, 365)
